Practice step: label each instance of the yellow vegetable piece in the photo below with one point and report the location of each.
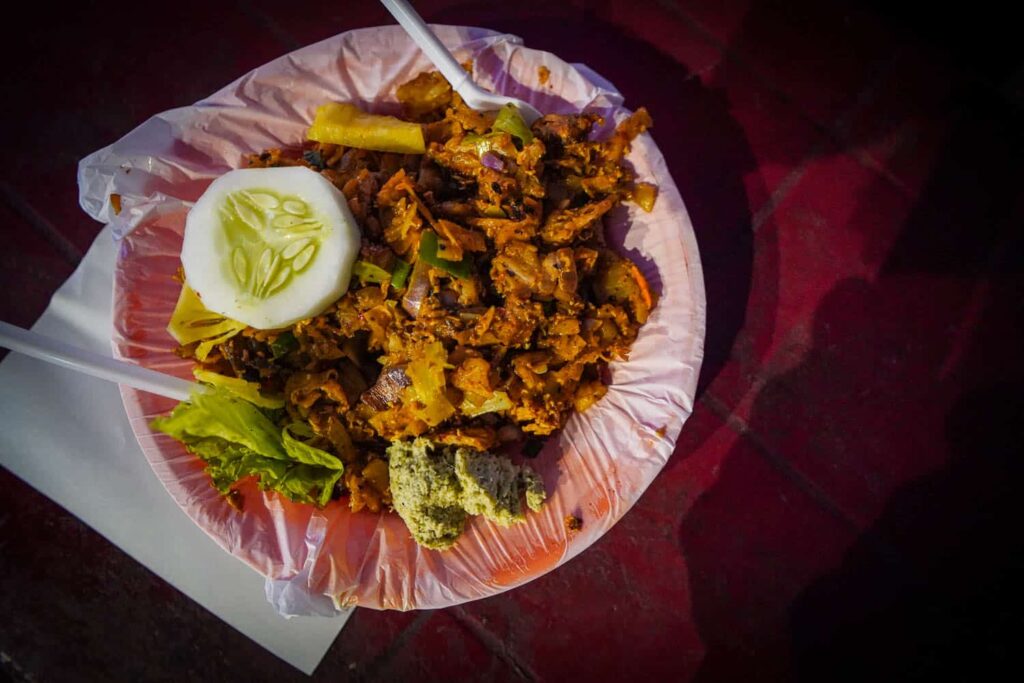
(645, 194)
(345, 124)
(204, 347)
(428, 385)
(250, 391)
(192, 322)
(473, 405)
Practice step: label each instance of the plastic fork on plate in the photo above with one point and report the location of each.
(472, 94)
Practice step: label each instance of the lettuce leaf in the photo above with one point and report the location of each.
(307, 454)
(217, 413)
(236, 440)
(308, 484)
(226, 463)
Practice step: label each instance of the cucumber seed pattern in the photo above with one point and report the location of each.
(271, 238)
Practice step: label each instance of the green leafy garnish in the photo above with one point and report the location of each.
(509, 121)
(368, 272)
(236, 440)
(400, 274)
(304, 453)
(428, 253)
(218, 414)
(283, 345)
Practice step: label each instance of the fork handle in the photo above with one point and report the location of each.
(421, 34)
(72, 357)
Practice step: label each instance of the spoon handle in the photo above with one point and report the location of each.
(421, 34)
(66, 355)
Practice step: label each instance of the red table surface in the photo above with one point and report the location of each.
(855, 184)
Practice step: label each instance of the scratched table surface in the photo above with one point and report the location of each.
(854, 178)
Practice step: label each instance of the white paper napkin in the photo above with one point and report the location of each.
(90, 464)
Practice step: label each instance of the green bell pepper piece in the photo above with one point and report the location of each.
(428, 252)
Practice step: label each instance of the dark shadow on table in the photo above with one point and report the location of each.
(953, 610)
(932, 591)
(984, 39)
(893, 383)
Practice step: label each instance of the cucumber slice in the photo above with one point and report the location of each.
(270, 246)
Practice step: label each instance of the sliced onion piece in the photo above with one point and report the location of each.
(492, 161)
(419, 288)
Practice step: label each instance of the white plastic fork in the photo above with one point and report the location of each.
(472, 94)
(80, 360)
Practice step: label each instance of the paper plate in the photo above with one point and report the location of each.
(595, 469)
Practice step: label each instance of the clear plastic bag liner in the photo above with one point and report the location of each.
(596, 468)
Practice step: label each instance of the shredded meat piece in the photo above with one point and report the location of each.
(425, 96)
(557, 130)
(480, 438)
(515, 271)
(565, 225)
(560, 271)
(617, 147)
(502, 230)
(474, 376)
(459, 240)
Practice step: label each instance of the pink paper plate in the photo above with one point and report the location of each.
(596, 468)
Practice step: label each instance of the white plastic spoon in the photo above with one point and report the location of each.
(61, 353)
(473, 95)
